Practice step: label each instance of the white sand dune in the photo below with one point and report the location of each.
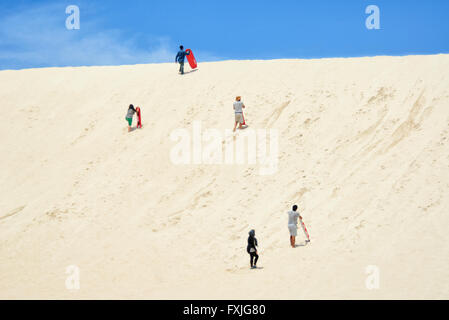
(363, 150)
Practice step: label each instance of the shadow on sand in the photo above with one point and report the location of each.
(133, 129)
(190, 71)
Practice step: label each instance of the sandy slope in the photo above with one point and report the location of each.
(363, 149)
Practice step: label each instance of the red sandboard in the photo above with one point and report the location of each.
(139, 118)
(191, 59)
(305, 231)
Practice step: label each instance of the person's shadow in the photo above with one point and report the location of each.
(133, 129)
(190, 71)
(300, 245)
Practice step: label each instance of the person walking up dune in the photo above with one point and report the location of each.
(252, 250)
(238, 110)
(293, 225)
(180, 58)
(130, 115)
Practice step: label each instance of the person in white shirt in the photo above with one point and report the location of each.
(238, 110)
(293, 225)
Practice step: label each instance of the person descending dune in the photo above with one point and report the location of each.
(252, 250)
(180, 58)
(130, 115)
(238, 111)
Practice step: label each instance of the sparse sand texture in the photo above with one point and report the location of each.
(363, 151)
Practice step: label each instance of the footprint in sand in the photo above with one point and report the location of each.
(276, 114)
(13, 212)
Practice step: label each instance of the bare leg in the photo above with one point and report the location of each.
(235, 126)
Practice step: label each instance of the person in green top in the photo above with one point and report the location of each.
(130, 115)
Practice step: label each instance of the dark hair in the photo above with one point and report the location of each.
(181, 47)
(295, 207)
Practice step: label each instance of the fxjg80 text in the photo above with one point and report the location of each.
(241, 310)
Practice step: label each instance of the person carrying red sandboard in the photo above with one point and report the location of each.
(129, 116)
(180, 58)
(293, 226)
(238, 110)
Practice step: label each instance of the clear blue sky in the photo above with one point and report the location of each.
(113, 32)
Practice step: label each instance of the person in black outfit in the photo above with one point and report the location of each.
(251, 249)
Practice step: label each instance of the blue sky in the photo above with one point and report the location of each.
(114, 32)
